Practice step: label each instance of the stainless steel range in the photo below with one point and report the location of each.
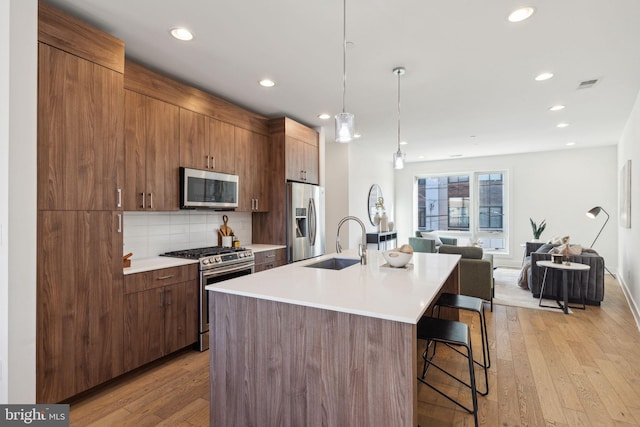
(216, 264)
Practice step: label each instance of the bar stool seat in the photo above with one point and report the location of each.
(468, 303)
(451, 333)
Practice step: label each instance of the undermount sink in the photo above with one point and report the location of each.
(335, 263)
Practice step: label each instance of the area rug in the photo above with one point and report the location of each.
(507, 291)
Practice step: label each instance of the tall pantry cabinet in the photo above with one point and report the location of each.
(80, 171)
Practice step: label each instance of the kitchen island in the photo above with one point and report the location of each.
(299, 345)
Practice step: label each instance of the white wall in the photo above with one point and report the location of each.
(18, 124)
(628, 238)
(350, 171)
(559, 186)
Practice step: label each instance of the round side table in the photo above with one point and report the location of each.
(565, 267)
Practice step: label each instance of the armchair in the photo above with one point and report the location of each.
(430, 245)
(476, 271)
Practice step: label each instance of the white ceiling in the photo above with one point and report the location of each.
(469, 88)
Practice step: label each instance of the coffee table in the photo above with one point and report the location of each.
(565, 267)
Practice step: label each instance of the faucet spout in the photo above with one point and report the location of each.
(362, 247)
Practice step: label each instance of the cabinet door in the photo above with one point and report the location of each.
(135, 151)
(310, 163)
(79, 302)
(194, 140)
(181, 315)
(162, 155)
(260, 168)
(143, 327)
(80, 136)
(294, 159)
(222, 146)
(243, 165)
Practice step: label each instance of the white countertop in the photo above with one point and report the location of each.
(158, 262)
(369, 290)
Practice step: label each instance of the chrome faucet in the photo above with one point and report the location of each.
(362, 247)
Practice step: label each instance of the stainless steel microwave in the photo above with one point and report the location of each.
(206, 189)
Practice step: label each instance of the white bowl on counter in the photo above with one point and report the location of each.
(397, 259)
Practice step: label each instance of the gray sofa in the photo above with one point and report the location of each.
(423, 244)
(590, 282)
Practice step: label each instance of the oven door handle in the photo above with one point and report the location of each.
(221, 271)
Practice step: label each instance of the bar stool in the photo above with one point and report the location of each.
(451, 333)
(465, 302)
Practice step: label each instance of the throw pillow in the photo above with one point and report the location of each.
(432, 236)
(546, 248)
(558, 240)
(573, 249)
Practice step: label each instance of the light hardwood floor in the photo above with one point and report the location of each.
(548, 369)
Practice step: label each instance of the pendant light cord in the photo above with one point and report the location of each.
(344, 55)
(399, 74)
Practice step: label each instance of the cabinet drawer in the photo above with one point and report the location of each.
(265, 257)
(158, 278)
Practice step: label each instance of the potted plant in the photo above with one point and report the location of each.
(537, 229)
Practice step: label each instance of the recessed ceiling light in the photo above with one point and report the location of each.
(421, 157)
(181, 34)
(324, 116)
(404, 143)
(267, 83)
(562, 125)
(557, 108)
(543, 77)
(521, 14)
(357, 135)
(571, 143)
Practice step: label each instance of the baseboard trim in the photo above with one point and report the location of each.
(632, 304)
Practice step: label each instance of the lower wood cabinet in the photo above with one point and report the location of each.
(160, 319)
(267, 260)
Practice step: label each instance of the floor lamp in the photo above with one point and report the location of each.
(594, 212)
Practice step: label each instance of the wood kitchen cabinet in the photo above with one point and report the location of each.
(266, 260)
(80, 138)
(160, 313)
(206, 143)
(151, 135)
(79, 302)
(252, 158)
(301, 160)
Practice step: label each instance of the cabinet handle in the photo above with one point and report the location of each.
(207, 162)
(143, 200)
(119, 223)
(270, 256)
(257, 200)
(150, 200)
(119, 204)
(213, 163)
(170, 292)
(161, 298)
(165, 277)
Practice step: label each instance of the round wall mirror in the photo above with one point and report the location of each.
(374, 194)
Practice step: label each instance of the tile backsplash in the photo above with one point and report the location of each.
(148, 234)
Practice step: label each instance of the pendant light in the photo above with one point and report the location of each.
(344, 120)
(398, 157)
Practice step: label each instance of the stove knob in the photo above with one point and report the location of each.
(205, 261)
(240, 254)
(218, 259)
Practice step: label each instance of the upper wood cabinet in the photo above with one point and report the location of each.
(151, 153)
(252, 159)
(79, 315)
(80, 133)
(206, 143)
(301, 149)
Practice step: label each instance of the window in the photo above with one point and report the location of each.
(468, 205)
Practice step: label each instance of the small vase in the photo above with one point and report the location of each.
(384, 223)
(376, 219)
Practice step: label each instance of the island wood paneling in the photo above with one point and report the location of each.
(71, 35)
(142, 80)
(279, 364)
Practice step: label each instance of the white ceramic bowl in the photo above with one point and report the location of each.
(397, 259)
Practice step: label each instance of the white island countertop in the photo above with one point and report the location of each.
(373, 290)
